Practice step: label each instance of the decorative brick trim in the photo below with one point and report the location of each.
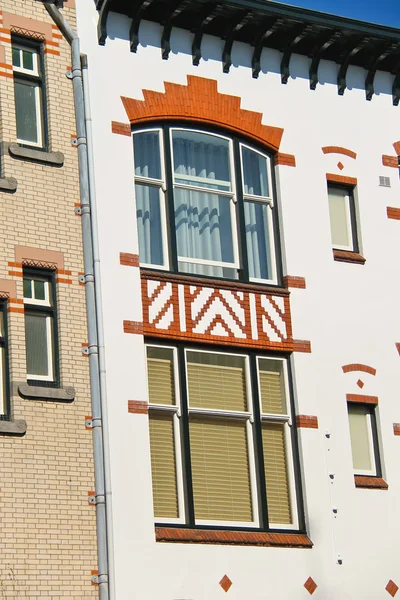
(239, 538)
(301, 346)
(129, 260)
(199, 101)
(362, 399)
(358, 367)
(392, 588)
(340, 165)
(8, 289)
(225, 583)
(363, 481)
(138, 407)
(332, 178)
(307, 422)
(393, 213)
(396, 147)
(121, 128)
(285, 159)
(31, 27)
(294, 282)
(338, 150)
(347, 256)
(390, 161)
(133, 327)
(310, 586)
(37, 257)
(396, 428)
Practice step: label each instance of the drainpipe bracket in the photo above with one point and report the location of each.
(68, 74)
(74, 141)
(81, 279)
(88, 423)
(78, 210)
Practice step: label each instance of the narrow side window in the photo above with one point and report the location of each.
(363, 439)
(28, 92)
(40, 327)
(342, 218)
(4, 389)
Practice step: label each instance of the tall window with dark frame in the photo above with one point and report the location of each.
(221, 438)
(205, 205)
(4, 377)
(364, 439)
(40, 328)
(29, 92)
(342, 216)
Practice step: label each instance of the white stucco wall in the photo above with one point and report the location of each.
(349, 313)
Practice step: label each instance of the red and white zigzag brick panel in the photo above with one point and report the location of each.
(184, 308)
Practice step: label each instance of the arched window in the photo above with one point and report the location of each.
(205, 204)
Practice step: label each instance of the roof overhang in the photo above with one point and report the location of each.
(266, 24)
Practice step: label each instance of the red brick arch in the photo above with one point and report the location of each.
(339, 150)
(199, 101)
(358, 367)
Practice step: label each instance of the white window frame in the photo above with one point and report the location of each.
(369, 472)
(349, 220)
(287, 420)
(177, 412)
(247, 416)
(49, 324)
(232, 194)
(38, 92)
(161, 185)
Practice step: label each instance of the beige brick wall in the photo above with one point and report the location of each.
(47, 541)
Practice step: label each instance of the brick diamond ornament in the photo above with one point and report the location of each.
(310, 585)
(392, 588)
(225, 583)
(340, 166)
(360, 384)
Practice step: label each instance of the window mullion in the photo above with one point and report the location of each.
(169, 198)
(258, 443)
(187, 479)
(240, 225)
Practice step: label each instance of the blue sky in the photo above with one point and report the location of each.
(384, 12)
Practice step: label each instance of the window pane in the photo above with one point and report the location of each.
(27, 288)
(258, 240)
(16, 57)
(160, 373)
(39, 287)
(3, 406)
(339, 216)
(163, 468)
(255, 175)
(216, 381)
(37, 362)
(201, 159)
(272, 386)
(220, 469)
(27, 60)
(148, 213)
(25, 109)
(147, 154)
(276, 476)
(203, 226)
(360, 437)
(1, 321)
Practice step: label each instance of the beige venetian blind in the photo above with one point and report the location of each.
(160, 375)
(220, 469)
(163, 469)
(272, 400)
(216, 386)
(360, 437)
(276, 475)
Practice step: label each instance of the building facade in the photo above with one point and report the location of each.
(247, 195)
(48, 541)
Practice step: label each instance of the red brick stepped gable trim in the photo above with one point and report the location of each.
(199, 101)
(358, 367)
(238, 538)
(338, 150)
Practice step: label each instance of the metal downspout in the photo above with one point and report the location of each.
(98, 451)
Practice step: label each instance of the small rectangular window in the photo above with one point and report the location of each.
(342, 218)
(28, 93)
(40, 327)
(363, 438)
(4, 391)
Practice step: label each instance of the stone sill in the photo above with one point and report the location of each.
(376, 483)
(8, 184)
(54, 159)
(39, 392)
(237, 538)
(13, 427)
(347, 256)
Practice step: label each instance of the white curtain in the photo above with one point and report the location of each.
(148, 216)
(257, 240)
(202, 220)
